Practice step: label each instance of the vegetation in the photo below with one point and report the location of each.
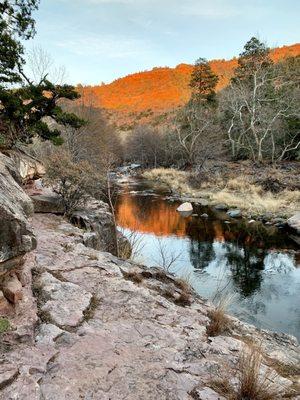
(255, 117)
(244, 192)
(4, 325)
(254, 380)
(24, 103)
(74, 182)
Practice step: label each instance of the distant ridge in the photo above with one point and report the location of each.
(162, 89)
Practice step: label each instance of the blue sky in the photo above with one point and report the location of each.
(101, 40)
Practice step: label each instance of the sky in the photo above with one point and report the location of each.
(102, 40)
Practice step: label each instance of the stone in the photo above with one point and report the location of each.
(221, 207)
(16, 236)
(234, 213)
(12, 288)
(96, 218)
(5, 307)
(294, 223)
(48, 333)
(66, 302)
(50, 203)
(131, 341)
(204, 215)
(8, 373)
(185, 209)
(207, 393)
(28, 167)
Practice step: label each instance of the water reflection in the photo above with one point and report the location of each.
(258, 264)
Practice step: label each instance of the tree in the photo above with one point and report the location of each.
(75, 183)
(145, 146)
(16, 23)
(23, 108)
(23, 112)
(261, 106)
(198, 134)
(203, 81)
(95, 139)
(255, 57)
(196, 125)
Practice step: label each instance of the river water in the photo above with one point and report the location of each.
(257, 267)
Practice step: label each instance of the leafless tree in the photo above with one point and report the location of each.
(198, 134)
(167, 258)
(259, 114)
(40, 66)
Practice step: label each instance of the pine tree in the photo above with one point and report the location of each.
(16, 23)
(203, 81)
(255, 56)
(23, 104)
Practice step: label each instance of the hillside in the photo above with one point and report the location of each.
(148, 94)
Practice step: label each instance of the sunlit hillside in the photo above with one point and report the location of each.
(145, 95)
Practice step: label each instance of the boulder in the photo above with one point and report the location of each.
(294, 223)
(16, 236)
(221, 207)
(66, 302)
(12, 288)
(28, 167)
(50, 204)
(185, 209)
(97, 219)
(234, 213)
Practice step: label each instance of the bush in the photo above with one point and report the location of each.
(75, 183)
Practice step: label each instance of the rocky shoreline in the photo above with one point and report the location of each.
(99, 327)
(79, 323)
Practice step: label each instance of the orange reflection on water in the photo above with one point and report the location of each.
(160, 218)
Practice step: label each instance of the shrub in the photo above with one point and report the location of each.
(253, 384)
(4, 325)
(73, 182)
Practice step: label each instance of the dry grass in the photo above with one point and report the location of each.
(174, 179)
(253, 382)
(219, 322)
(240, 192)
(133, 276)
(247, 196)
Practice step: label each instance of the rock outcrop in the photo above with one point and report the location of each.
(97, 221)
(16, 235)
(28, 167)
(294, 223)
(111, 329)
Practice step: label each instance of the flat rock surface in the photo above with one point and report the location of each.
(109, 330)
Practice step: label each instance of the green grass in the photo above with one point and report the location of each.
(4, 325)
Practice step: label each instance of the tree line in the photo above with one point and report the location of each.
(256, 117)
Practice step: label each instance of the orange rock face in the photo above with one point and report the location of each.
(149, 93)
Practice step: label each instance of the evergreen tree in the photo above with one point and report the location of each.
(203, 81)
(255, 56)
(16, 23)
(23, 104)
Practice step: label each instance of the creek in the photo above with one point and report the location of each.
(257, 267)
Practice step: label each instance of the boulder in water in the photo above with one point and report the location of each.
(185, 209)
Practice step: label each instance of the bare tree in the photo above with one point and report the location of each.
(40, 66)
(167, 258)
(261, 105)
(198, 134)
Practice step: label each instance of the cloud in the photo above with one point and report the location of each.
(214, 9)
(108, 46)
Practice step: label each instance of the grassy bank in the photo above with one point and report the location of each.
(240, 191)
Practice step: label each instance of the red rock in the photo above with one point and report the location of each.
(12, 289)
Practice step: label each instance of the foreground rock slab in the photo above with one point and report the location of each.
(111, 330)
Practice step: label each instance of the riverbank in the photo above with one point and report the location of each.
(96, 326)
(264, 192)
